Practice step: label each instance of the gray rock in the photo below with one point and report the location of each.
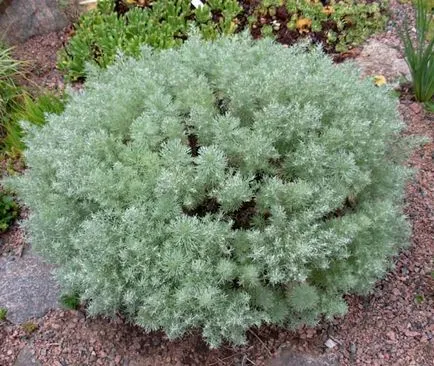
(379, 58)
(27, 288)
(25, 358)
(22, 19)
(290, 358)
(330, 343)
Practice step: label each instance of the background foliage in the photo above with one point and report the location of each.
(100, 34)
(33, 110)
(339, 25)
(197, 187)
(8, 210)
(16, 104)
(10, 94)
(419, 51)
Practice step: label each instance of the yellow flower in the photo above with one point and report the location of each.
(303, 25)
(379, 80)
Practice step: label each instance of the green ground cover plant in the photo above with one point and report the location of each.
(29, 327)
(339, 25)
(70, 301)
(3, 314)
(101, 33)
(219, 186)
(8, 210)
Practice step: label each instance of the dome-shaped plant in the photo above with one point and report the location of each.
(219, 186)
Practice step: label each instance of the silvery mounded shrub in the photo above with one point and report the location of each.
(219, 186)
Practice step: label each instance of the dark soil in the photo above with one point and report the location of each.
(244, 215)
(208, 206)
(120, 7)
(40, 56)
(194, 146)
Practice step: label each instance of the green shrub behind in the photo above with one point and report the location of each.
(219, 186)
(8, 211)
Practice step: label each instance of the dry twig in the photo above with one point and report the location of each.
(262, 342)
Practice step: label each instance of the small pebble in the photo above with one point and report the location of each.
(391, 335)
(330, 343)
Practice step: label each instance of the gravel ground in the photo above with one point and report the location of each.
(40, 56)
(392, 326)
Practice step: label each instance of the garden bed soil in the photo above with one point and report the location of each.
(39, 55)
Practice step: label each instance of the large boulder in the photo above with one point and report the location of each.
(22, 19)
